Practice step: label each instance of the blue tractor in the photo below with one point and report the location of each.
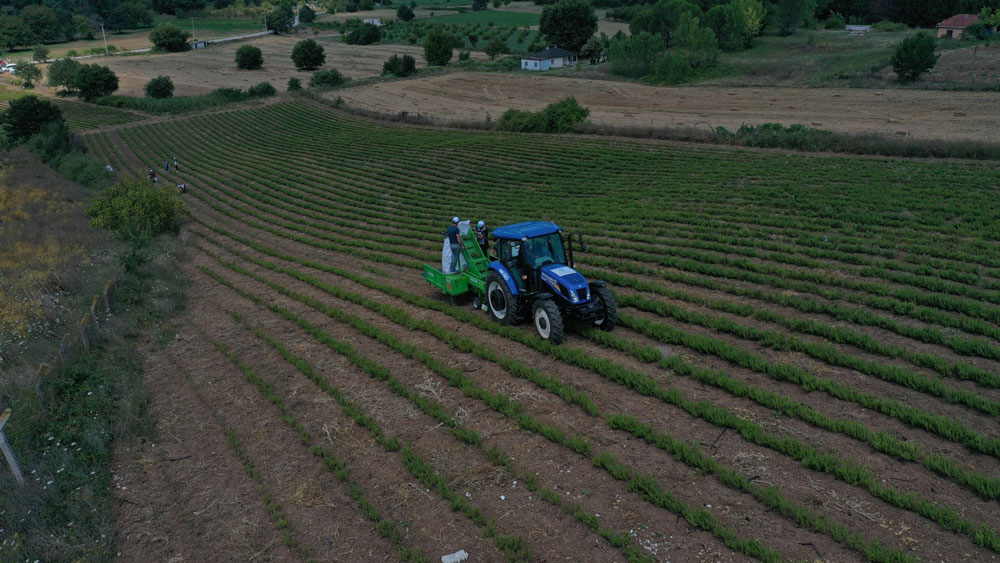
(533, 278)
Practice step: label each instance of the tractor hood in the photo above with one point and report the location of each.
(567, 282)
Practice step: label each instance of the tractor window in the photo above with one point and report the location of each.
(544, 250)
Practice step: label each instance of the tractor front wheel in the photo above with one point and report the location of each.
(503, 307)
(609, 318)
(548, 321)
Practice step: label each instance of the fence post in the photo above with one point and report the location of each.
(93, 314)
(43, 368)
(107, 297)
(9, 453)
(64, 347)
(83, 332)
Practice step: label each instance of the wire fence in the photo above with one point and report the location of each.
(86, 335)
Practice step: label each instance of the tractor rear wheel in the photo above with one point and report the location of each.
(548, 321)
(610, 317)
(503, 306)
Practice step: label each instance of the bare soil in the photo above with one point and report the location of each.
(920, 114)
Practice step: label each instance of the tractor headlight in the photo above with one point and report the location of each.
(573, 297)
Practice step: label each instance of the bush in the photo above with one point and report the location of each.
(914, 56)
(405, 13)
(326, 79)
(95, 81)
(496, 46)
(308, 55)
(365, 35)
(976, 32)
(40, 53)
(294, 84)
(169, 37)
(249, 57)
(464, 55)
(889, 27)
(836, 21)
(133, 207)
(636, 56)
(437, 47)
(400, 66)
(673, 69)
(160, 87)
(559, 117)
(30, 73)
(26, 116)
(262, 90)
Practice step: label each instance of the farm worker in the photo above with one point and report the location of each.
(166, 166)
(177, 165)
(455, 240)
(481, 233)
(152, 175)
(183, 188)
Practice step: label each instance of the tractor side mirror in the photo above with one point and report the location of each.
(579, 239)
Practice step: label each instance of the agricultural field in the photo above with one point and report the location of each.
(78, 115)
(498, 18)
(200, 72)
(919, 114)
(805, 368)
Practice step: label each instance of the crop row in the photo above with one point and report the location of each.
(811, 459)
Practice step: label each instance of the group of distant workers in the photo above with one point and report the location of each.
(454, 235)
(182, 187)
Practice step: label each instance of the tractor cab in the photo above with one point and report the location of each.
(533, 275)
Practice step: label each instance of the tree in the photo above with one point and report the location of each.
(592, 50)
(94, 81)
(26, 116)
(662, 18)
(308, 55)
(160, 87)
(294, 84)
(636, 56)
(40, 53)
(249, 57)
(14, 33)
(496, 46)
(405, 13)
(62, 72)
(281, 18)
(129, 15)
(568, 23)
(80, 27)
(697, 43)
(914, 56)
(42, 21)
(478, 5)
(791, 14)
(29, 73)
(437, 47)
(169, 37)
(180, 7)
(400, 66)
(307, 14)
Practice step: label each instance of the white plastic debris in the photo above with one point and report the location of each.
(456, 557)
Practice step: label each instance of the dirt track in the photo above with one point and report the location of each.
(472, 96)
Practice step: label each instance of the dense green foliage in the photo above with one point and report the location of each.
(29, 73)
(249, 57)
(400, 66)
(308, 55)
(182, 104)
(405, 13)
(326, 79)
(438, 47)
(558, 117)
(913, 57)
(160, 87)
(307, 14)
(26, 116)
(133, 206)
(62, 73)
(365, 34)
(568, 24)
(168, 37)
(95, 81)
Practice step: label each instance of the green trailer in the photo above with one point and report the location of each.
(471, 280)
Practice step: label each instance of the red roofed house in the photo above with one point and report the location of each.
(953, 27)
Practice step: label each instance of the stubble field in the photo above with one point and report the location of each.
(807, 364)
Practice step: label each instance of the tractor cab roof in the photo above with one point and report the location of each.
(527, 229)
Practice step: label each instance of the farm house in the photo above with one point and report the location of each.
(553, 57)
(953, 27)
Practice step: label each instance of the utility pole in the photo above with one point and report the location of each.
(105, 40)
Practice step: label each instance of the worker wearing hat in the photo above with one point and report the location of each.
(481, 232)
(455, 240)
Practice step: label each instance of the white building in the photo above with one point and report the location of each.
(373, 21)
(553, 57)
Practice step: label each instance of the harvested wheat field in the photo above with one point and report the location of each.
(465, 96)
(199, 72)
